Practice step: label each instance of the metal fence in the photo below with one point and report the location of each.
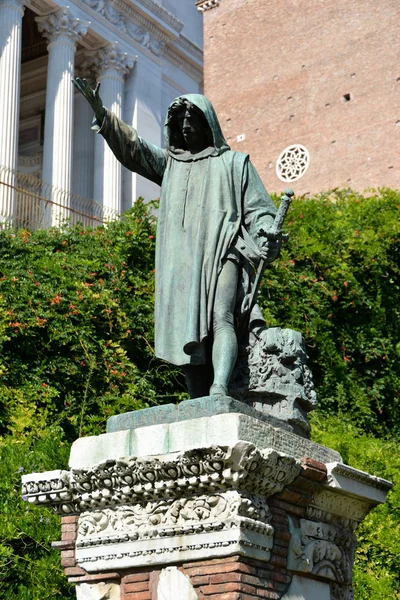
(30, 203)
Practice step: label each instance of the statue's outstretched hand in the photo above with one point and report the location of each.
(92, 96)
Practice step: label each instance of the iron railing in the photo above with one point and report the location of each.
(30, 203)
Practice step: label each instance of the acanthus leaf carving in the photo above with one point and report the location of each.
(109, 58)
(61, 25)
(322, 549)
(175, 517)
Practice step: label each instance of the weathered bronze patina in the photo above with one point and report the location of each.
(215, 225)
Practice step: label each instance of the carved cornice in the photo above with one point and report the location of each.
(352, 474)
(61, 26)
(192, 526)
(208, 502)
(129, 480)
(190, 67)
(122, 15)
(145, 39)
(139, 27)
(155, 8)
(347, 496)
(204, 5)
(145, 22)
(322, 514)
(190, 47)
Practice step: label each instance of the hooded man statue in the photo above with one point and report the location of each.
(213, 210)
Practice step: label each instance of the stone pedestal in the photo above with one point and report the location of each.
(223, 506)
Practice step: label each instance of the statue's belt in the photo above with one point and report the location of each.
(245, 245)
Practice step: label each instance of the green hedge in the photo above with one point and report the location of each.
(76, 340)
(377, 564)
(76, 326)
(29, 568)
(338, 281)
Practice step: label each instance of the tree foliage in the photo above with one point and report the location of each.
(377, 564)
(338, 282)
(76, 326)
(76, 339)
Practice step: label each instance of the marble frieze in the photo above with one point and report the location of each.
(137, 511)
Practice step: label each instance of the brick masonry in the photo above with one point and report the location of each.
(229, 578)
(279, 72)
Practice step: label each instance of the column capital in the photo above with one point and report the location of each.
(62, 26)
(15, 4)
(109, 61)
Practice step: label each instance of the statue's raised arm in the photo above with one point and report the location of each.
(132, 151)
(92, 96)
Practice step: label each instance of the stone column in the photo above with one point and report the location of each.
(111, 66)
(143, 111)
(63, 32)
(11, 12)
(83, 147)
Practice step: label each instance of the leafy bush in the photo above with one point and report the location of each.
(377, 564)
(29, 568)
(76, 338)
(338, 282)
(76, 326)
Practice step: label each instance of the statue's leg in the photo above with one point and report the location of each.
(198, 380)
(225, 346)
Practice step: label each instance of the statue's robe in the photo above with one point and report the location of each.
(207, 200)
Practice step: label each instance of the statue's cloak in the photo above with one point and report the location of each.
(207, 200)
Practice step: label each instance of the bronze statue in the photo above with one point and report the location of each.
(215, 225)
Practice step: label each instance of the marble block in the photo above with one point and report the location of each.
(200, 432)
(208, 406)
(307, 589)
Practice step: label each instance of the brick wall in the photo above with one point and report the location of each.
(229, 578)
(278, 73)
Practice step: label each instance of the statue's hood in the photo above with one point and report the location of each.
(205, 106)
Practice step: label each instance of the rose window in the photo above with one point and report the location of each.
(292, 163)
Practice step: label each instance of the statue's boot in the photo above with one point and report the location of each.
(218, 390)
(224, 355)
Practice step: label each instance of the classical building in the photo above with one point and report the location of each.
(144, 53)
(308, 89)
